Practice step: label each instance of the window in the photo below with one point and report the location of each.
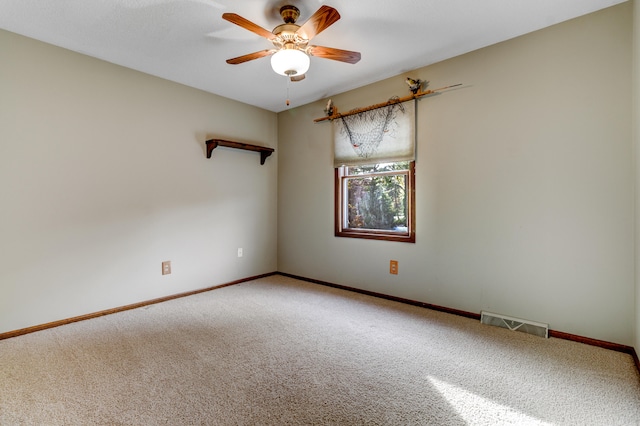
(376, 201)
(374, 161)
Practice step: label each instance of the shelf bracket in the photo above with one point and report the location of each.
(263, 150)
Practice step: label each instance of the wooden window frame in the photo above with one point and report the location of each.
(372, 234)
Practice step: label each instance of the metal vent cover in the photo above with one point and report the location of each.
(515, 324)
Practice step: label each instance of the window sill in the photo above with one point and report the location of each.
(372, 235)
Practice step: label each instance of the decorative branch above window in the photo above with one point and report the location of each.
(333, 113)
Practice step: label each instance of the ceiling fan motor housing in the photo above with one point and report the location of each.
(286, 37)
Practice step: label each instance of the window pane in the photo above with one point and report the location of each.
(377, 202)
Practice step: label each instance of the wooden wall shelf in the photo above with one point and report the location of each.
(263, 150)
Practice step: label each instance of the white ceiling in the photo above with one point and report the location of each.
(187, 41)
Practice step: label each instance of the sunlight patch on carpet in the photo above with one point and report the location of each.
(476, 409)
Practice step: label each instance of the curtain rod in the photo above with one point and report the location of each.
(391, 101)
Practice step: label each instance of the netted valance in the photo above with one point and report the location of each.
(385, 134)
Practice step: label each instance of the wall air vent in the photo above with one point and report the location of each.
(515, 324)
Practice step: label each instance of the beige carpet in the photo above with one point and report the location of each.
(280, 351)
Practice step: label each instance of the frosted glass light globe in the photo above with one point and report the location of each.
(290, 62)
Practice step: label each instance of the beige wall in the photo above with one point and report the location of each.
(524, 184)
(103, 176)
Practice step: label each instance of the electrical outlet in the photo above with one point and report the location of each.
(393, 267)
(240, 252)
(166, 267)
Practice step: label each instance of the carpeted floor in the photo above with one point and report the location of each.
(278, 351)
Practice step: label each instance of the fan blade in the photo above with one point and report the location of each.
(335, 54)
(251, 56)
(248, 25)
(319, 21)
(297, 77)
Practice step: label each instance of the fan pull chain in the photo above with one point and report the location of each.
(288, 82)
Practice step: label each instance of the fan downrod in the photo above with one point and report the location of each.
(290, 14)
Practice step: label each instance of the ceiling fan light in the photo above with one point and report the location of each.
(290, 62)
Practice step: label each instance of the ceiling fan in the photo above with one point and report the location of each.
(291, 48)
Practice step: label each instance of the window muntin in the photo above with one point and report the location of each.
(376, 201)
